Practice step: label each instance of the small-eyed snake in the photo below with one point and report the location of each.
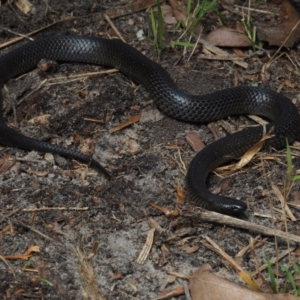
(284, 116)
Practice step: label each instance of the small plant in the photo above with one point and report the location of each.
(200, 10)
(271, 275)
(41, 279)
(157, 28)
(290, 176)
(251, 30)
(290, 179)
(290, 278)
(194, 16)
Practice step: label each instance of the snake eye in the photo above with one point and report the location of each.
(238, 209)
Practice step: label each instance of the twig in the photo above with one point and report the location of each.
(227, 220)
(17, 33)
(8, 265)
(11, 214)
(54, 208)
(115, 29)
(35, 230)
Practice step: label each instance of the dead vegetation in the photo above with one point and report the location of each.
(66, 233)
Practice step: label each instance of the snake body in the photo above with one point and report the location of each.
(285, 120)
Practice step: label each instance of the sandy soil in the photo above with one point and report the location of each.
(146, 160)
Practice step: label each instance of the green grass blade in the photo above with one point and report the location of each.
(271, 275)
(296, 177)
(183, 44)
(41, 279)
(189, 7)
(290, 277)
(27, 263)
(297, 269)
(153, 24)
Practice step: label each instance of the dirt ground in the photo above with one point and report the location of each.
(90, 248)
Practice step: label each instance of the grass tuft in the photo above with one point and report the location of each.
(157, 27)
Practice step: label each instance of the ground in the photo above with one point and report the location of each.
(109, 220)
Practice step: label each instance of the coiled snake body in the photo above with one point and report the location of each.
(172, 101)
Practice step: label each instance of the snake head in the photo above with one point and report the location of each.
(230, 206)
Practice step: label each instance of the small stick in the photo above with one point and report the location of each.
(227, 220)
(36, 231)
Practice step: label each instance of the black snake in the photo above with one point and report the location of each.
(172, 101)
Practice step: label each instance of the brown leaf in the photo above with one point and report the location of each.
(296, 198)
(180, 195)
(24, 5)
(26, 255)
(117, 275)
(6, 162)
(288, 24)
(246, 158)
(132, 146)
(151, 115)
(190, 249)
(168, 15)
(166, 211)
(290, 84)
(54, 227)
(37, 173)
(40, 120)
(228, 37)
(206, 285)
(179, 11)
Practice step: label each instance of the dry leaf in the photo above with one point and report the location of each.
(6, 162)
(205, 285)
(37, 173)
(179, 11)
(54, 227)
(94, 250)
(168, 15)
(40, 120)
(180, 195)
(117, 275)
(151, 115)
(132, 146)
(153, 224)
(24, 6)
(289, 25)
(166, 211)
(26, 255)
(190, 249)
(246, 158)
(296, 199)
(228, 37)
(283, 202)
